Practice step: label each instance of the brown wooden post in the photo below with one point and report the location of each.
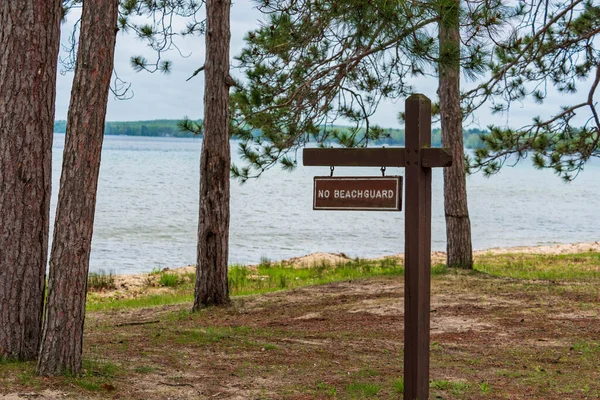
(417, 249)
(418, 159)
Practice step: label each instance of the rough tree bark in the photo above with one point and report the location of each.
(30, 36)
(62, 338)
(213, 227)
(458, 225)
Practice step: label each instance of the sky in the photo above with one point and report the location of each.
(169, 96)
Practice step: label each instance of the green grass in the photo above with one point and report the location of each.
(270, 276)
(563, 267)
(168, 279)
(96, 375)
(398, 385)
(485, 388)
(586, 348)
(325, 389)
(440, 384)
(207, 335)
(360, 390)
(101, 280)
(457, 388)
(140, 302)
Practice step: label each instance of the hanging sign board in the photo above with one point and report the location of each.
(359, 193)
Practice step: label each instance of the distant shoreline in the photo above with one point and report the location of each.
(171, 128)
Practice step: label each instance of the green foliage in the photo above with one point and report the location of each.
(553, 49)
(139, 302)
(398, 386)
(169, 280)
(101, 280)
(157, 28)
(155, 23)
(360, 390)
(457, 388)
(326, 389)
(189, 126)
(312, 64)
(566, 267)
(485, 388)
(586, 348)
(269, 277)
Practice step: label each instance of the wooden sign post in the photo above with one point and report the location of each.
(418, 158)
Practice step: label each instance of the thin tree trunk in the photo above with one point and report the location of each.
(62, 339)
(213, 228)
(29, 37)
(458, 225)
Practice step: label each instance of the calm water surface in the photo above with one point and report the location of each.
(147, 211)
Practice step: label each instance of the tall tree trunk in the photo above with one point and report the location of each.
(29, 37)
(213, 227)
(458, 225)
(62, 339)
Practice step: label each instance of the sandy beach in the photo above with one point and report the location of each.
(137, 282)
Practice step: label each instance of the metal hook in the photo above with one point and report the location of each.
(382, 171)
(331, 170)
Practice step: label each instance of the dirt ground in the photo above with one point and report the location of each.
(491, 338)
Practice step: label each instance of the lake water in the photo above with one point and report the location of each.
(147, 210)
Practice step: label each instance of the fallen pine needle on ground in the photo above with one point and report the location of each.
(522, 325)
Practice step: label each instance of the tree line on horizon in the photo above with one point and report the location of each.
(172, 128)
(309, 64)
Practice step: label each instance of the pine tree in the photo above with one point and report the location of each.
(458, 226)
(30, 35)
(62, 340)
(554, 47)
(315, 62)
(213, 229)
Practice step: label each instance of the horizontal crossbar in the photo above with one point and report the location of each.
(374, 157)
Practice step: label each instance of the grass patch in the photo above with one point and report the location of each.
(101, 280)
(440, 384)
(456, 388)
(105, 369)
(97, 376)
(87, 385)
(325, 389)
(269, 276)
(485, 388)
(562, 267)
(586, 348)
(360, 390)
(398, 385)
(168, 279)
(140, 302)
